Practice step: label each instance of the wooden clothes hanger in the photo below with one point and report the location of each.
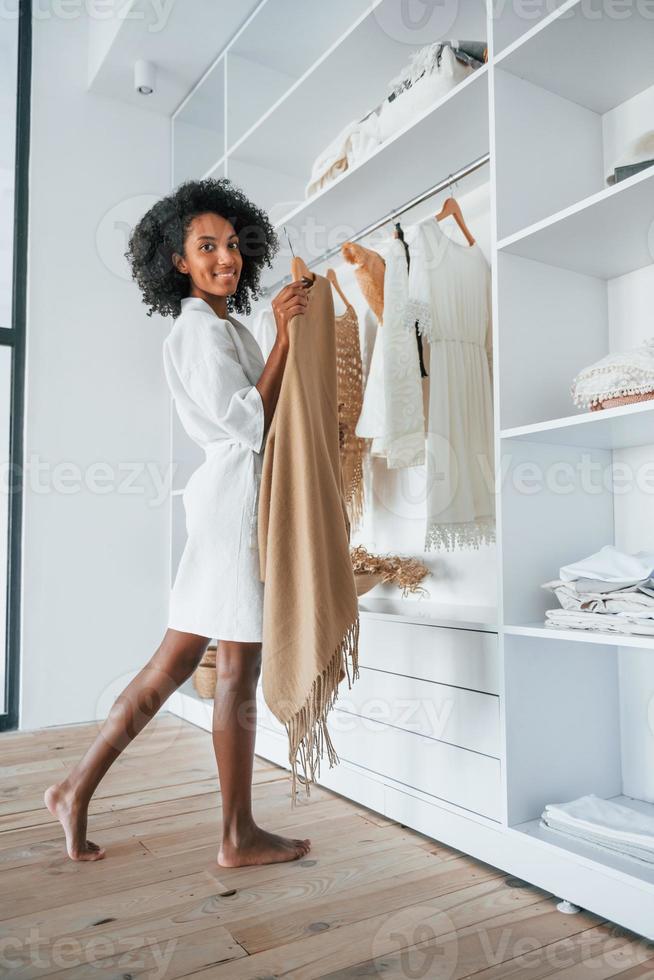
(299, 268)
(452, 208)
(331, 275)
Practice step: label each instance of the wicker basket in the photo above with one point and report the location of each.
(365, 581)
(204, 678)
(622, 400)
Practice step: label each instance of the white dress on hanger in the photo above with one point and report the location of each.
(392, 411)
(373, 410)
(212, 366)
(450, 296)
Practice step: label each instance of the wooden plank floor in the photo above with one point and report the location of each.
(371, 899)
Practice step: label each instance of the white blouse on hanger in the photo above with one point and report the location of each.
(450, 296)
(392, 412)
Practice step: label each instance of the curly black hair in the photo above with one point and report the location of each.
(162, 230)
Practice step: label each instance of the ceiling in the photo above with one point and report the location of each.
(182, 38)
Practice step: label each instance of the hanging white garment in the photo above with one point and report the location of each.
(368, 332)
(450, 297)
(372, 419)
(392, 412)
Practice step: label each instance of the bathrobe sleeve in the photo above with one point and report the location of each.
(220, 387)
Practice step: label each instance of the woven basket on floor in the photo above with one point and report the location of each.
(622, 400)
(204, 678)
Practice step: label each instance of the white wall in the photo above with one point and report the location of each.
(95, 565)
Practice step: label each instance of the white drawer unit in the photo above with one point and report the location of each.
(450, 714)
(424, 712)
(459, 657)
(467, 779)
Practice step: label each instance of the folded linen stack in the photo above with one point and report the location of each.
(611, 590)
(604, 823)
(431, 73)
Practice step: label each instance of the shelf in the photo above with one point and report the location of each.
(355, 71)
(605, 638)
(509, 24)
(297, 48)
(597, 858)
(613, 428)
(608, 234)
(261, 72)
(573, 39)
(450, 615)
(364, 193)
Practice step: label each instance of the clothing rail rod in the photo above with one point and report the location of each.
(395, 213)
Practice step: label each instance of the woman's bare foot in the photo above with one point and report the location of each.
(257, 846)
(72, 815)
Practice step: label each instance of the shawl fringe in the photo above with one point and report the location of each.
(467, 534)
(308, 734)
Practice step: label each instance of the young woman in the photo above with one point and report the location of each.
(196, 255)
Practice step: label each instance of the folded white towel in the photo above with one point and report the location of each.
(605, 819)
(611, 565)
(624, 623)
(597, 586)
(633, 599)
(354, 143)
(624, 850)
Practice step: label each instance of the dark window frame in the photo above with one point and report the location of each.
(14, 337)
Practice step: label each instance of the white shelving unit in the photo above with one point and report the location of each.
(508, 714)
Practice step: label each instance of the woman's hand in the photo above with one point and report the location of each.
(289, 301)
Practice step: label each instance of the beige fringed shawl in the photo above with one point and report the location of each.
(310, 609)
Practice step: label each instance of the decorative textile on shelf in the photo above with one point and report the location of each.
(625, 374)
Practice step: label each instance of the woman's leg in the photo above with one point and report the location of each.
(173, 663)
(238, 666)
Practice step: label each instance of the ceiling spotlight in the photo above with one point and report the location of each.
(144, 77)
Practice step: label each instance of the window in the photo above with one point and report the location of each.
(15, 66)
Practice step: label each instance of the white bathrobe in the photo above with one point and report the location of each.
(212, 366)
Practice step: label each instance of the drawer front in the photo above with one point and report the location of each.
(444, 771)
(452, 714)
(463, 658)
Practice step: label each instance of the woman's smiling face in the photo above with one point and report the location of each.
(212, 257)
